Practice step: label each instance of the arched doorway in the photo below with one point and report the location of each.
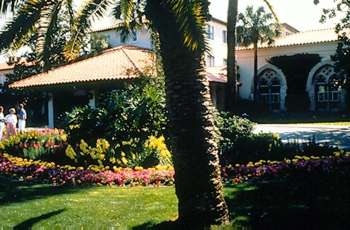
(271, 88)
(326, 88)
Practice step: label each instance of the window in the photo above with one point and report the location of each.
(224, 36)
(210, 32)
(210, 61)
(269, 87)
(328, 88)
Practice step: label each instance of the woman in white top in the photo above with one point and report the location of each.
(11, 123)
(2, 122)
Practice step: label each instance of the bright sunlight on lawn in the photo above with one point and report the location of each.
(288, 202)
(94, 207)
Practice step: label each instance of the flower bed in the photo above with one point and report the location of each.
(36, 144)
(243, 172)
(29, 170)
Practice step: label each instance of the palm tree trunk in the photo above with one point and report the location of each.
(231, 87)
(191, 132)
(255, 72)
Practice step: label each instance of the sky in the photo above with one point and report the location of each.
(301, 14)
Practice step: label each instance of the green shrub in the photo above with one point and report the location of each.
(232, 128)
(239, 144)
(126, 118)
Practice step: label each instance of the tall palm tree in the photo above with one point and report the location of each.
(180, 26)
(256, 27)
(231, 87)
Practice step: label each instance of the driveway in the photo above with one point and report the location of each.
(333, 135)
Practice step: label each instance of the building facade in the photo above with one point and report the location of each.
(324, 85)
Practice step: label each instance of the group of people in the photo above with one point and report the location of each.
(11, 120)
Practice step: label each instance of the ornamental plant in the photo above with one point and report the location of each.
(337, 162)
(125, 118)
(103, 155)
(45, 172)
(44, 144)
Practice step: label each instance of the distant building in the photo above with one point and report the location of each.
(322, 85)
(83, 79)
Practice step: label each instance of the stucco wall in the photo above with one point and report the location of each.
(218, 48)
(114, 38)
(245, 60)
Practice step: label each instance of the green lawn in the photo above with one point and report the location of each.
(297, 202)
(94, 207)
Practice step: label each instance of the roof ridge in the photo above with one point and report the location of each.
(314, 30)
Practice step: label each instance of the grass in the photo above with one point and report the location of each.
(26, 206)
(292, 202)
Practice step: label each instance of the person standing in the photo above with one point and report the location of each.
(2, 122)
(22, 117)
(11, 122)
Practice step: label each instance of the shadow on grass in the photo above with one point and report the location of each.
(28, 224)
(300, 201)
(14, 191)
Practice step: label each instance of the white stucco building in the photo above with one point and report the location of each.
(324, 84)
(216, 34)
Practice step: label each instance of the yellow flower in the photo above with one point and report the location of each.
(70, 152)
(124, 160)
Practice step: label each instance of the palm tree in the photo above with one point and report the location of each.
(231, 87)
(180, 26)
(39, 20)
(256, 27)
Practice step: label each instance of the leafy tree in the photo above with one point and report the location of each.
(256, 27)
(231, 87)
(342, 55)
(180, 26)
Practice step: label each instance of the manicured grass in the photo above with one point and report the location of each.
(94, 207)
(290, 202)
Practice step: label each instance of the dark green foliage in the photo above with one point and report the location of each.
(232, 128)
(126, 118)
(240, 145)
(340, 10)
(296, 69)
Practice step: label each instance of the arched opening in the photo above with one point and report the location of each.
(328, 89)
(269, 89)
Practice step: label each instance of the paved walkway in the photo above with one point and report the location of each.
(333, 135)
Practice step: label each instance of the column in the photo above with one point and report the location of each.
(50, 111)
(92, 99)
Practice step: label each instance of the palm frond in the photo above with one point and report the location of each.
(131, 13)
(192, 17)
(272, 10)
(47, 33)
(91, 10)
(22, 23)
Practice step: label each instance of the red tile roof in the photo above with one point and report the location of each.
(123, 62)
(217, 74)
